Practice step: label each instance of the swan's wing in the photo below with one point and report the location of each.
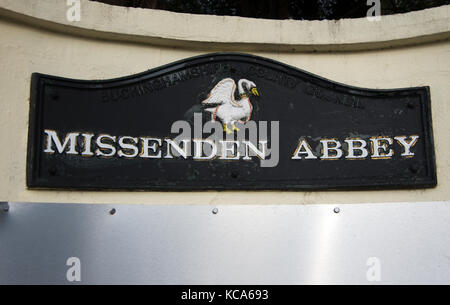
(223, 93)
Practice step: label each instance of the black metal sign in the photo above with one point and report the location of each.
(227, 122)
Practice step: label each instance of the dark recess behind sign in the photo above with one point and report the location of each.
(281, 9)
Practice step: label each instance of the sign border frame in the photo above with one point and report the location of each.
(35, 125)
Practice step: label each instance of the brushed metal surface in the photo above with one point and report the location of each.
(311, 244)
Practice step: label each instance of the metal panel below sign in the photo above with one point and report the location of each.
(406, 243)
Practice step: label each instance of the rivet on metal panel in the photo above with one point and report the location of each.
(215, 211)
(113, 211)
(337, 210)
(4, 206)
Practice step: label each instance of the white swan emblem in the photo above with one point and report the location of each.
(227, 109)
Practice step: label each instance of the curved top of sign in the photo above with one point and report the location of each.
(224, 56)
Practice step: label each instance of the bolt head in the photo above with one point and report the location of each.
(52, 171)
(337, 210)
(414, 169)
(4, 207)
(215, 211)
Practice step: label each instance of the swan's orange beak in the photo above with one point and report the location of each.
(255, 91)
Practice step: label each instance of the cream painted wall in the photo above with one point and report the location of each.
(26, 48)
